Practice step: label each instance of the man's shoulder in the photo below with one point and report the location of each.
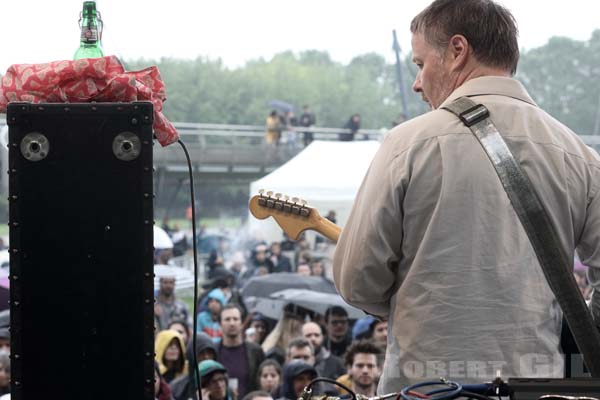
(425, 127)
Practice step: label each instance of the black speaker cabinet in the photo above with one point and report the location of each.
(81, 244)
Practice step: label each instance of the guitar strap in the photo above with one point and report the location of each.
(557, 267)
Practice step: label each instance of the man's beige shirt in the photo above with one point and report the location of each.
(433, 243)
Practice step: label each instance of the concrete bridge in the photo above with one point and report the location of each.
(228, 153)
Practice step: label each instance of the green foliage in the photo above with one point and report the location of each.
(562, 76)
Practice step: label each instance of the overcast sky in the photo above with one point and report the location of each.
(35, 31)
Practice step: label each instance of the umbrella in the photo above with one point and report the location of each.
(161, 239)
(280, 105)
(263, 286)
(318, 302)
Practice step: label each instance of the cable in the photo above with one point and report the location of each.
(308, 388)
(451, 392)
(195, 320)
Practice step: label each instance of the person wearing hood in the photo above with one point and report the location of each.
(183, 388)
(296, 376)
(170, 357)
(214, 381)
(208, 320)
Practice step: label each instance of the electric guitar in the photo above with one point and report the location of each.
(292, 215)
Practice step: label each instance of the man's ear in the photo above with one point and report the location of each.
(459, 51)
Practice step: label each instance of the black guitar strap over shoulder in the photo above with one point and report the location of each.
(557, 267)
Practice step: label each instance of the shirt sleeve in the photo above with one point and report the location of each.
(369, 248)
(589, 247)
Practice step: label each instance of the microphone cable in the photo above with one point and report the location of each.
(195, 248)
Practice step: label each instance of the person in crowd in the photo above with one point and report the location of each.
(363, 360)
(261, 327)
(167, 308)
(300, 349)
(238, 267)
(353, 126)
(287, 328)
(317, 268)
(4, 373)
(338, 332)
(183, 388)
(215, 261)
(214, 381)
(269, 375)
(170, 356)
(240, 357)
(296, 376)
(183, 328)
(162, 390)
(303, 270)
(260, 259)
(208, 320)
(327, 365)
(450, 240)
(379, 333)
(307, 119)
(280, 262)
(258, 395)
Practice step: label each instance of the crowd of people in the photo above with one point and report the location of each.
(243, 354)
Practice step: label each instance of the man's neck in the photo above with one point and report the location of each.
(232, 341)
(163, 298)
(368, 391)
(336, 339)
(476, 70)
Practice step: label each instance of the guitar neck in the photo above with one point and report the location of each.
(328, 229)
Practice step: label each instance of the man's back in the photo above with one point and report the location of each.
(469, 297)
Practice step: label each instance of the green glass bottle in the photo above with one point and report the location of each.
(91, 32)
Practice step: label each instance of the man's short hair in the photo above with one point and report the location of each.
(300, 343)
(490, 29)
(337, 311)
(364, 347)
(231, 306)
(256, 393)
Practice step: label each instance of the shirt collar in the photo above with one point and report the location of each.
(491, 85)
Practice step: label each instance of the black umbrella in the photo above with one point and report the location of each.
(263, 286)
(318, 302)
(280, 105)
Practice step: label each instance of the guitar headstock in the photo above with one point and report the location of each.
(292, 214)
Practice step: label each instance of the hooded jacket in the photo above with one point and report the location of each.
(183, 387)
(160, 347)
(291, 371)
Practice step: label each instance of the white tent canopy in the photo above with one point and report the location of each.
(326, 174)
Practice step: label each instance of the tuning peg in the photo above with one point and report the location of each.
(261, 191)
(303, 202)
(277, 196)
(286, 197)
(294, 199)
(270, 193)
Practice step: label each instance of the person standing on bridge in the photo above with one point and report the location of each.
(274, 127)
